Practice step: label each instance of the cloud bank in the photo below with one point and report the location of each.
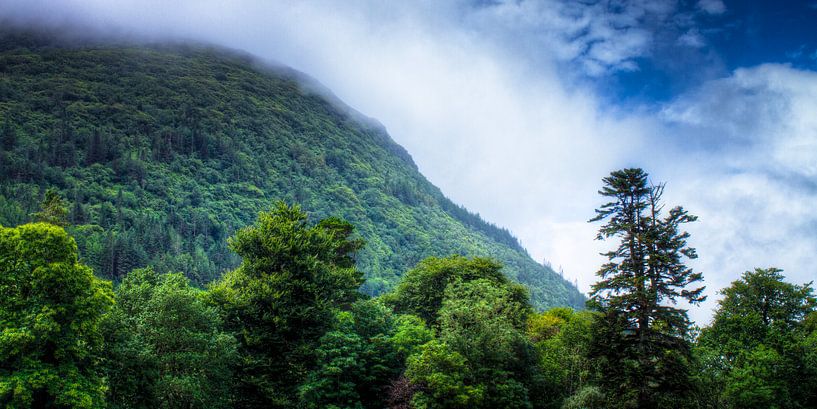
(498, 104)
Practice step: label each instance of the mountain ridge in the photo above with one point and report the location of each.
(163, 150)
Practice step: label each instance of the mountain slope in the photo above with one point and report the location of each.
(164, 151)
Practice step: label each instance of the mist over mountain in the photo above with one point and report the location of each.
(164, 150)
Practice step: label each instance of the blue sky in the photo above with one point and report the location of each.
(517, 109)
(701, 41)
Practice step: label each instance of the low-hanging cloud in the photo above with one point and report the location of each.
(497, 105)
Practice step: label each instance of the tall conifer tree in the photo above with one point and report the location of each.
(641, 341)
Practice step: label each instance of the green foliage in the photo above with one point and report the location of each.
(588, 397)
(282, 299)
(362, 355)
(52, 210)
(480, 357)
(485, 321)
(562, 338)
(641, 344)
(760, 348)
(165, 348)
(422, 290)
(443, 373)
(50, 311)
(163, 152)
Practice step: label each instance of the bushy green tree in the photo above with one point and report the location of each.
(481, 357)
(562, 338)
(282, 299)
(641, 342)
(759, 349)
(422, 289)
(51, 306)
(361, 356)
(165, 346)
(443, 375)
(588, 397)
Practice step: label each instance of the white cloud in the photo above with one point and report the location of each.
(480, 99)
(602, 37)
(692, 38)
(712, 6)
(749, 170)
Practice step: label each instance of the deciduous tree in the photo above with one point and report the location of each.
(760, 349)
(165, 346)
(51, 307)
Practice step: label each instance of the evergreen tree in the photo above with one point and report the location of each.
(52, 209)
(640, 342)
(282, 299)
(8, 137)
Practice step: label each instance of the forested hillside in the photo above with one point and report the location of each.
(162, 152)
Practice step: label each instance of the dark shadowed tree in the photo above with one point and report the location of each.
(8, 136)
(362, 356)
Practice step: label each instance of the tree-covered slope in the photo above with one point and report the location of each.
(164, 151)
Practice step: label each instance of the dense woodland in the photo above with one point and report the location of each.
(289, 328)
(165, 151)
(111, 293)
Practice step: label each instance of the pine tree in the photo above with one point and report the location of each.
(641, 342)
(52, 209)
(282, 299)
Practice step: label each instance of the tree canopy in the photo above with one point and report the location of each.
(51, 306)
(760, 348)
(166, 347)
(282, 299)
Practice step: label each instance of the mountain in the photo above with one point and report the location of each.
(163, 151)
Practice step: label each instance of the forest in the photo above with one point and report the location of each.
(186, 227)
(164, 151)
(289, 328)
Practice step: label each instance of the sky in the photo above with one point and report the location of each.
(518, 109)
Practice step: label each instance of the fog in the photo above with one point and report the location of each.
(502, 105)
